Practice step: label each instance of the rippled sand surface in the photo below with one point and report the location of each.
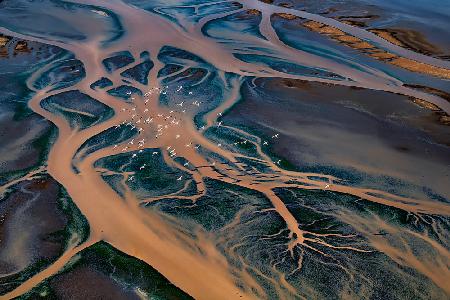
(224, 150)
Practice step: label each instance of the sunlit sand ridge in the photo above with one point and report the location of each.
(179, 129)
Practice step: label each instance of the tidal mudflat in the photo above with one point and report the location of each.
(224, 149)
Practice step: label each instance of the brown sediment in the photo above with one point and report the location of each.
(406, 38)
(443, 117)
(371, 50)
(291, 83)
(419, 67)
(425, 104)
(362, 45)
(354, 23)
(358, 21)
(414, 40)
(410, 39)
(3, 52)
(384, 34)
(381, 55)
(21, 46)
(287, 5)
(254, 12)
(286, 16)
(348, 39)
(4, 40)
(313, 25)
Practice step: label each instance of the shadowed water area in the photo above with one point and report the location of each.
(224, 149)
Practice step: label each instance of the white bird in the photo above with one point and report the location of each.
(219, 124)
(177, 136)
(154, 153)
(186, 164)
(190, 93)
(130, 178)
(181, 103)
(275, 136)
(179, 178)
(134, 155)
(128, 93)
(179, 88)
(265, 143)
(131, 142)
(142, 167)
(115, 146)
